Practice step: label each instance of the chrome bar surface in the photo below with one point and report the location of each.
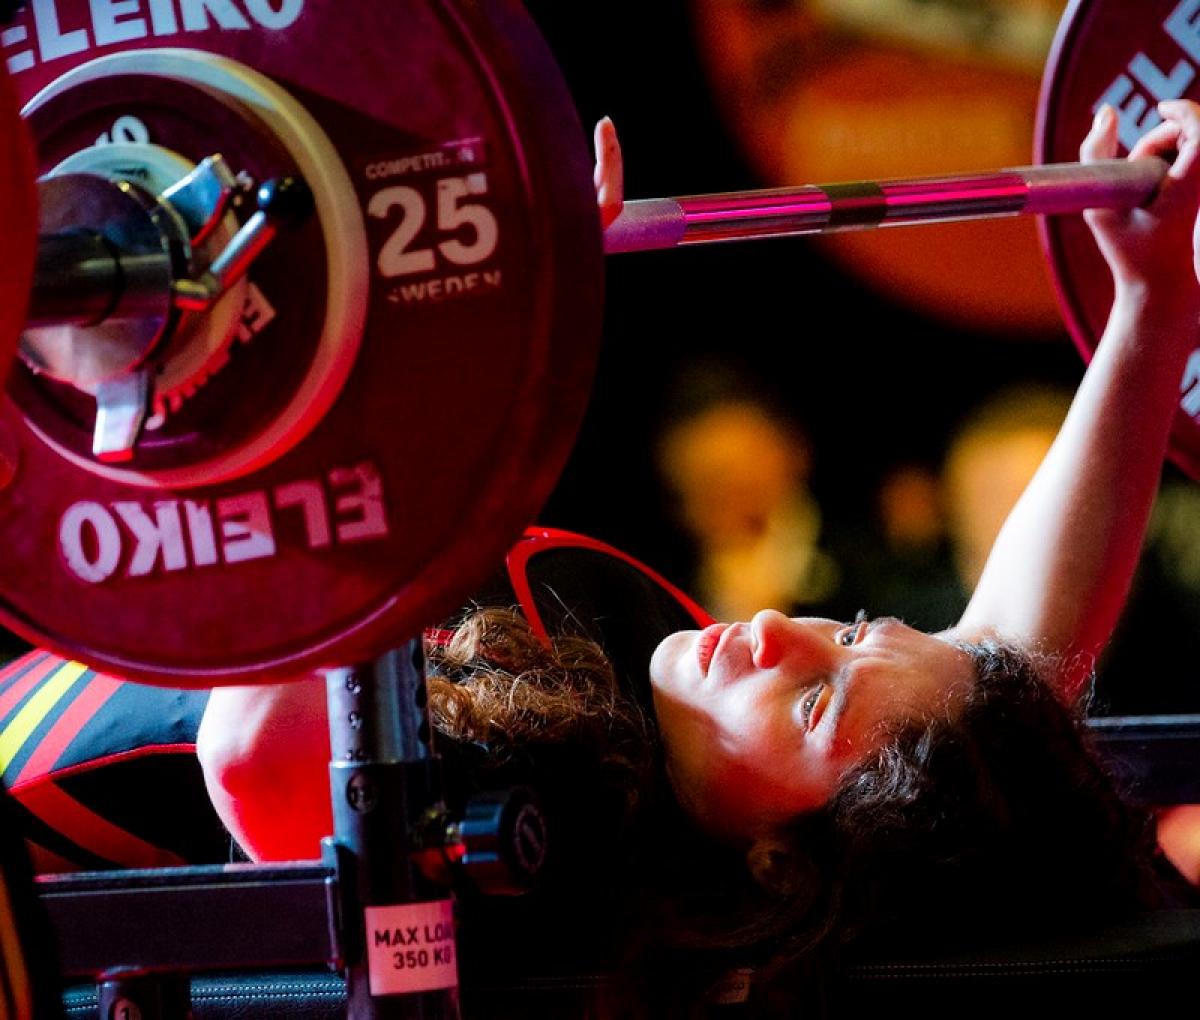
(1057, 188)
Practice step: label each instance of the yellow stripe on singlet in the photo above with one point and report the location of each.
(22, 725)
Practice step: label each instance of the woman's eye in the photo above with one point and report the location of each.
(810, 702)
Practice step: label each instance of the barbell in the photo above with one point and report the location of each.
(651, 224)
(238, 451)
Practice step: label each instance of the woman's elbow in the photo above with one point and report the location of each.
(265, 751)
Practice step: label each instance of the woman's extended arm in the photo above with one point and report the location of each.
(1060, 570)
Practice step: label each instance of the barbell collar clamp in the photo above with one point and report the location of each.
(122, 405)
(108, 254)
(283, 202)
(203, 196)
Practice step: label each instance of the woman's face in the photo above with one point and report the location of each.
(760, 720)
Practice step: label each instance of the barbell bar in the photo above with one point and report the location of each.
(662, 223)
(1052, 189)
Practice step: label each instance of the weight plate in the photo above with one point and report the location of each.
(1131, 56)
(411, 366)
(18, 226)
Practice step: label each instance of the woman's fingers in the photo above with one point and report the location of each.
(1185, 116)
(1100, 143)
(609, 177)
(1101, 140)
(1159, 141)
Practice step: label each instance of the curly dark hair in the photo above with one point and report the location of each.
(552, 715)
(996, 818)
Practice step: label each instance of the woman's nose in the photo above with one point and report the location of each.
(777, 637)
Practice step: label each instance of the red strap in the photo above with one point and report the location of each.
(91, 831)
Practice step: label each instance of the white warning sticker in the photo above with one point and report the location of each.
(410, 948)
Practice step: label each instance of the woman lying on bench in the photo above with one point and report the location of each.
(759, 796)
(789, 786)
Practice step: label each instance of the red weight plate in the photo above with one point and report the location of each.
(408, 377)
(1130, 55)
(17, 226)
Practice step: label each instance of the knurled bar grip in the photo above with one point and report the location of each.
(656, 223)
